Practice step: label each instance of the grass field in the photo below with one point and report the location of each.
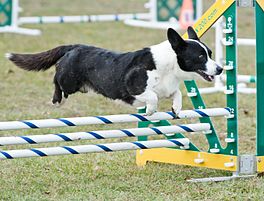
(108, 176)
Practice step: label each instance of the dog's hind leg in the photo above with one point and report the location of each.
(65, 95)
(57, 96)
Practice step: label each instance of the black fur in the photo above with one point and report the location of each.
(191, 57)
(80, 68)
(121, 75)
(41, 61)
(192, 34)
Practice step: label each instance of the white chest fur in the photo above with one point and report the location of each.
(164, 85)
(164, 81)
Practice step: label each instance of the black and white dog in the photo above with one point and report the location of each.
(138, 78)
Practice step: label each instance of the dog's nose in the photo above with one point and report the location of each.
(219, 70)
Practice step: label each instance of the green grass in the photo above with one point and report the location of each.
(107, 176)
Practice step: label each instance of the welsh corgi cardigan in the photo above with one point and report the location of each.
(139, 78)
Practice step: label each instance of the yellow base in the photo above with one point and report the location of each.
(185, 157)
(260, 163)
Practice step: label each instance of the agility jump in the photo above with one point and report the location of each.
(183, 143)
(106, 134)
(218, 157)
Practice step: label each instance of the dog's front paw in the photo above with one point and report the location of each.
(151, 109)
(176, 109)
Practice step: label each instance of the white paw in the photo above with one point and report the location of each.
(176, 109)
(151, 109)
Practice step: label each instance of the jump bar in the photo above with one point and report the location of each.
(104, 134)
(110, 119)
(81, 149)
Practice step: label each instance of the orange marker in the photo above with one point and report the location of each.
(186, 15)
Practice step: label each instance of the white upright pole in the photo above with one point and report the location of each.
(199, 9)
(15, 11)
(218, 49)
(152, 6)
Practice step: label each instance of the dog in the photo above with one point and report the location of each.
(139, 78)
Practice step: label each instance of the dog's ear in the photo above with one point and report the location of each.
(176, 41)
(192, 34)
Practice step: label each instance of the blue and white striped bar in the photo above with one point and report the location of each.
(104, 134)
(122, 118)
(82, 18)
(81, 149)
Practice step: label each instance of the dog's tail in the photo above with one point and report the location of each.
(39, 61)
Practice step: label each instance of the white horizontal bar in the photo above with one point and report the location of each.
(81, 149)
(82, 18)
(242, 90)
(242, 78)
(153, 24)
(19, 30)
(246, 41)
(104, 134)
(80, 121)
(210, 90)
(246, 90)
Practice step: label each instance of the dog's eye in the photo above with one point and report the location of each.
(201, 56)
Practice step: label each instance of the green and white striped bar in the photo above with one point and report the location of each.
(104, 134)
(81, 149)
(110, 119)
(82, 18)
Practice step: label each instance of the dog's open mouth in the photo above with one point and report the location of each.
(208, 78)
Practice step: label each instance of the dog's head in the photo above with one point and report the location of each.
(193, 55)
